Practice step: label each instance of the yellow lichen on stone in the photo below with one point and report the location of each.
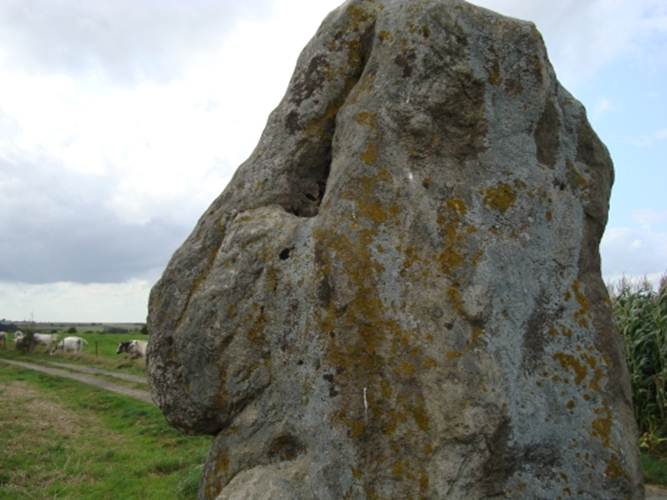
(602, 426)
(569, 362)
(614, 469)
(366, 118)
(500, 197)
(581, 315)
(370, 156)
(385, 36)
(494, 73)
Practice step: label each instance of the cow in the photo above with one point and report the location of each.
(18, 335)
(45, 339)
(70, 344)
(134, 348)
(3, 339)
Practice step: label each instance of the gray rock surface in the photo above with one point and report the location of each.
(398, 295)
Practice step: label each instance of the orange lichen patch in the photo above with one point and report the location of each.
(450, 219)
(454, 296)
(358, 16)
(477, 333)
(450, 259)
(411, 257)
(231, 311)
(602, 426)
(406, 369)
(569, 362)
(552, 332)
(429, 363)
(575, 178)
(222, 462)
(499, 197)
(256, 331)
(385, 36)
(592, 362)
(271, 279)
(421, 417)
(548, 215)
(458, 206)
(494, 74)
(370, 156)
(566, 331)
(357, 428)
(614, 469)
(454, 354)
(366, 118)
(397, 469)
(597, 376)
(580, 315)
(423, 483)
(372, 210)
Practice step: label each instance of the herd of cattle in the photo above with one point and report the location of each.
(53, 344)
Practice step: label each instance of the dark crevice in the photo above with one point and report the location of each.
(312, 160)
(284, 253)
(285, 447)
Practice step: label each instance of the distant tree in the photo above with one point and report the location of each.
(144, 329)
(27, 342)
(71, 329)
(115, 329)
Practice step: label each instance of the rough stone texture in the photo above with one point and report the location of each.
(398, 295)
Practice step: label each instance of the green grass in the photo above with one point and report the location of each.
(122, 448)
(654, 468)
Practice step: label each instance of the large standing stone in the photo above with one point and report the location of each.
(398, 295)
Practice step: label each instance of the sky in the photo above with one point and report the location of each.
(121, 121)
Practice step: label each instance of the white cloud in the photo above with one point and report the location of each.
(602, 106)
(650, 140)
(129, 115)
(64, 301)
(637, 251)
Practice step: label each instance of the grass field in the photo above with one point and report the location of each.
(100, 352)
(62, 439)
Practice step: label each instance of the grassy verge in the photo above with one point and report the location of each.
(62, 439)
(654, 468)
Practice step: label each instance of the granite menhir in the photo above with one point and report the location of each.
(398, 295)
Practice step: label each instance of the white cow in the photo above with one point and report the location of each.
(45, 339)
(70, 344)
(3, 339)
(18, 335)
(134, 348)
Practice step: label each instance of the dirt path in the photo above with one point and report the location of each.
(86, 379)
(655, 492)
(98, 371)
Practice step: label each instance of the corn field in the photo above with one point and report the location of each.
(640, 313)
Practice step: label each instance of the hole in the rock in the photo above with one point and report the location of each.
(284, 253)
(285, 447)
(311, 197)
